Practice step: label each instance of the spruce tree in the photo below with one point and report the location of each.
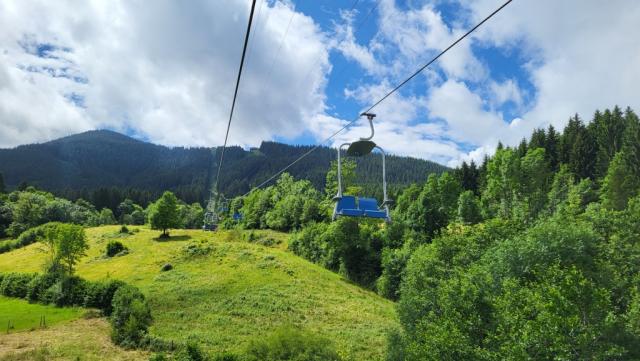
(631, 141)
(551, 148)
(538, 139)
(522, 148)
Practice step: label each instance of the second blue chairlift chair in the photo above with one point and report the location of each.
(352, 206)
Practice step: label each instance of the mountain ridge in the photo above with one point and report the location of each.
(87, 161)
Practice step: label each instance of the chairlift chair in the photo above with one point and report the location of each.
(352, 206)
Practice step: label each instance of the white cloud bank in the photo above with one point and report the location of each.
(164, 70)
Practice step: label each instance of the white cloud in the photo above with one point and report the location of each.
(506, 91)
(576, 63)
(583, 54)
(165, 71)
(464, 112)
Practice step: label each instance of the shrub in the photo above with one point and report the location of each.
(167, 267)
(39, 285)
(114, 247)
(100, 295)
(29, 236)
(124, 229)
(191, 352)
(131, 317)
(158, 357)
(67, 291)
(15, 284)
(291, 344)
(26, 238)
(197, 249)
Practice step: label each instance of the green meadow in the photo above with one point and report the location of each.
(224, 291)
(18, 315)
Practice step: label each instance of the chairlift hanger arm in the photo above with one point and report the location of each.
(369, 116)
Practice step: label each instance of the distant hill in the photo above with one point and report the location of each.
(85, 164)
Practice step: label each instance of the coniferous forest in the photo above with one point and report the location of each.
(97, 166)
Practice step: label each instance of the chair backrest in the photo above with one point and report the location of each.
(368, 204)
(347, 202)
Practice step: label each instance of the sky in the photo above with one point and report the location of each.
(165, 71)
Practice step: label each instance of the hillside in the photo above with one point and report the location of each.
(80, 165)
(224, 291)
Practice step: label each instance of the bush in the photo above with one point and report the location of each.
(26, 238)
(39, 285)
(15, 284)
(191, 352)
(100, 295)
(131, 317)
(167, 267)
(67, 291)
(114, 247)
(291, 344)
(29, 236)
(124, 229)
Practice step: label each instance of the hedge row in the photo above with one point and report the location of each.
(26, 238)
(127, 307)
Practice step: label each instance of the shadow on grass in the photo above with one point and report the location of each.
(172, 238)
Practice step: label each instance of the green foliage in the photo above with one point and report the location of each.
(15, 284)
(26, 238)
(190, 352)
(348, 173)
(39, 285)
(66, 291)
(288, 205)
(164, 213)
(290, 344)
(27, 212)
(192, 216)
(113, 248)
(558, 289)
(394, 263)
(104, 217)
(469, 211)
(100, 295)
(66, 245)
(436, 203)
(131, 316)
(620, 184)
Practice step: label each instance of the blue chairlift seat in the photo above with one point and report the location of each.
(346, 206)
(369, 207)
(351, 206)
(237, 216)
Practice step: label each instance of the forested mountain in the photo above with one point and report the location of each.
(105, 167)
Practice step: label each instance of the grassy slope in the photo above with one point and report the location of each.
(24, 315)
(86, 340)
(239, 291)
